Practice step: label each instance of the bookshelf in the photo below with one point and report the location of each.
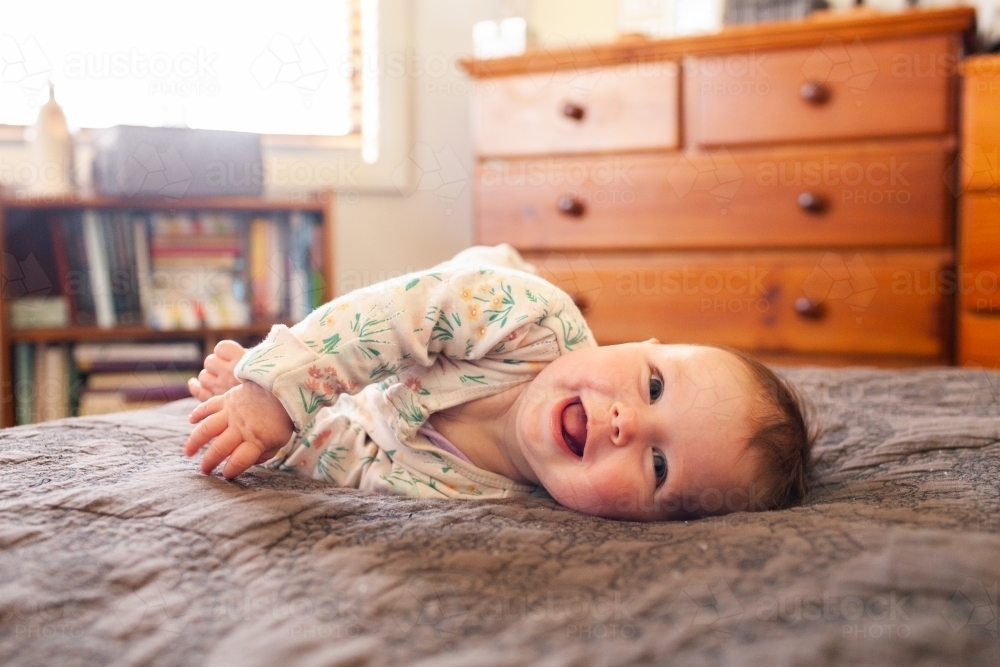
(32, 228)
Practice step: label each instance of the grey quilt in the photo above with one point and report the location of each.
(115, 551)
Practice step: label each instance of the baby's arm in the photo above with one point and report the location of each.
(455, 309)
(217, 376)
(249, 426)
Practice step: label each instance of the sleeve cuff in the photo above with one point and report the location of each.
(281, 354)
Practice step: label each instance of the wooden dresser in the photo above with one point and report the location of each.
(979, 226)
(784, 188)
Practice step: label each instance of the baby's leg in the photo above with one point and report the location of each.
(217, 375)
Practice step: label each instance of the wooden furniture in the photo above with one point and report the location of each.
(782, 188)
(979, 226)
(26, 221)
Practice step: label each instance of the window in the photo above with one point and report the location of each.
(275, 68)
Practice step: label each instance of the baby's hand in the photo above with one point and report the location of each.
(217, 377)
(249, 426)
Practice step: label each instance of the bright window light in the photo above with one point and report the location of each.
(266, 67)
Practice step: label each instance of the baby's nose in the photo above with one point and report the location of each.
(623, 424)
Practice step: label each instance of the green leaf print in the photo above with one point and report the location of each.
(503, 308)
(262, 360)
(573, 332)
(476, 379)
(413, 283)
(412, 413)
(330, 344)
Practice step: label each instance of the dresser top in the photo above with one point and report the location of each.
(863, 24)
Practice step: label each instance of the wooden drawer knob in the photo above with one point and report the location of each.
(814, 93)
(810, 202)
(573, 111)
(809, 309)
(581, 302)
(571, 206)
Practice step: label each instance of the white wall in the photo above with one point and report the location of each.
(379, 235)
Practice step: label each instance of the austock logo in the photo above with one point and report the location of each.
(24, 278)
(575, 276)
(437, 171)
(973, 605)
(974, 167)
(716, 173)
(833, 278)
(557, 61)
(24, 65)
(149, 172)
(286, 62)
(835, 61)
(704, 604)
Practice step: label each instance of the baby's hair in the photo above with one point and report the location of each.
(781, 440)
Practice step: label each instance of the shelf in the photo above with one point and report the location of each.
(72, 334)
(34, 202)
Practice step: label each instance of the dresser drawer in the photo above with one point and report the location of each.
(878, 194)
(811, 302)
(840, 89)
(981, 125)
(979, 340)
(979, 253)
(571, 111)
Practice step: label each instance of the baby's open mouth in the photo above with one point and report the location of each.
(574, 427)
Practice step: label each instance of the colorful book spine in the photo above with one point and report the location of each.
(98, 269)
(24, 383)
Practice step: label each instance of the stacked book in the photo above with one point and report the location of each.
(284, 267)
(55, 381)
(198, 271)
(44, 381)
(181, 270)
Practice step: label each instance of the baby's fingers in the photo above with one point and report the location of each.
(211, 427)
(244, 456)
(221, 447)
(209, 407)
(198, 390)
(229, 350)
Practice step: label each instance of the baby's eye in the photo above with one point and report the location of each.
(659, 467)
(655, 388)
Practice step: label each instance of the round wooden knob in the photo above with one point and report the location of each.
(571, 206)
(814, 92)
(809, 309)
(811, 202)
(574, 111)
(581, 302)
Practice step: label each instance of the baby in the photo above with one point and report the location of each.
(478, 379)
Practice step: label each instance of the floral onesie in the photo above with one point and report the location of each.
(360, 376)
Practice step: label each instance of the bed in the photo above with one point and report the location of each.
(114, 550)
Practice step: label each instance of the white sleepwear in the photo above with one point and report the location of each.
(361, 375)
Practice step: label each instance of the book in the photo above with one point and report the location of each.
(24, 383)
(139, 378)
(87, 354)
(144, 278)
(39, 312)
(51, 378)
(98, 271)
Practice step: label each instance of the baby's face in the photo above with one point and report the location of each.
(641, 431)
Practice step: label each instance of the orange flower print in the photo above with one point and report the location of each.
(481, 331)
(312, 385)
(414, 384)
(496, 301)
(315, 372)
(329, 388)
(474, 311)
(465, 294)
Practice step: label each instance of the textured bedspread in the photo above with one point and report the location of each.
(114, 550)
